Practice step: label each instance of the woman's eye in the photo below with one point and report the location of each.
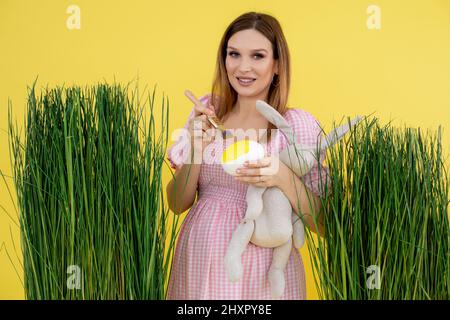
(258, 55)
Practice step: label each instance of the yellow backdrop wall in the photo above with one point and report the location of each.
(342, 64)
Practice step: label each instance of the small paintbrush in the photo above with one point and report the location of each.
(215, 122)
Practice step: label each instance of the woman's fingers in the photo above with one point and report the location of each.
(266, 171)
(251, 179)
(263, 167)
(208, 133)
(198, 105)
(200, 122)
(264, 162)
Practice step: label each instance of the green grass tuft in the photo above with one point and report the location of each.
(386, 206)
(88, 176)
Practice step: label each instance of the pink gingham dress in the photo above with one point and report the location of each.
(198, 270)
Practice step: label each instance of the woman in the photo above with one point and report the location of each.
(253, 63)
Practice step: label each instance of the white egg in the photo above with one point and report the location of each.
(234, 156)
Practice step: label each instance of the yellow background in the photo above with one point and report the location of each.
(339, 67)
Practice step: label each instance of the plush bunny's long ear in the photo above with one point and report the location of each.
(274, 117)
(335, 135)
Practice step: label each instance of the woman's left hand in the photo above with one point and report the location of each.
(267, 172)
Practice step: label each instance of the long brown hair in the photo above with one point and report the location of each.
(223, 94)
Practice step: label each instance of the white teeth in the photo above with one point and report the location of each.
(246, 80)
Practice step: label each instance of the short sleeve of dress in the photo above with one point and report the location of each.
(179, 151)
(307, 130)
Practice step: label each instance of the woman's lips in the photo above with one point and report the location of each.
(246, 81)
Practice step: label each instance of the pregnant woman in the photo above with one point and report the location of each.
(253, 64)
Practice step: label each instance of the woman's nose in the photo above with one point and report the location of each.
(245, 65)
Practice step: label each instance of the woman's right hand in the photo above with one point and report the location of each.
(201, 131)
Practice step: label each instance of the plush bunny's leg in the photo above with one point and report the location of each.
(239, 240)
(299, 231)
(254, 202)
(276, 273)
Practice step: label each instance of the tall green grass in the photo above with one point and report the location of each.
(88, 176)
(385, 205)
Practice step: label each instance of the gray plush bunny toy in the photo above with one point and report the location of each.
(270, 220)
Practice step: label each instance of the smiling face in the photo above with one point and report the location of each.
(250, 56)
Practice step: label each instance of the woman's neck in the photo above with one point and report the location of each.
(245, 108)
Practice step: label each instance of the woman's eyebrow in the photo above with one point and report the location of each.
(229, 47)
